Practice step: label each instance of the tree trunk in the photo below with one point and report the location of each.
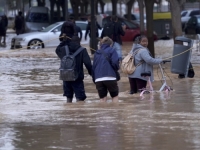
(52, 3)
(114, 7)
(149, 16)
(141, 8)
(41, 3)
(58, 11)
(129, 5)
(82, 8)
(96, 6)
(85, 3)
(102, 6)
(175, 6)
(63, 6)
(75, 4)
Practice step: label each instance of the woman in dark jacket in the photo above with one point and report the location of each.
(105, 64)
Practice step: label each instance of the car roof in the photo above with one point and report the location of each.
(80, 21)
(190, 10)
(197, 16)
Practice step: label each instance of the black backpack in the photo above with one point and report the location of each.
(68, 70)
(108, 30)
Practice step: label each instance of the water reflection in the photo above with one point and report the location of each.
(34, 115)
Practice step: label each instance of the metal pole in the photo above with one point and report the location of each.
(29, 3)
(66, 10)
(93, 38)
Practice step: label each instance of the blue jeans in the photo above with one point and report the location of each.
(77, 87)
(118, 49)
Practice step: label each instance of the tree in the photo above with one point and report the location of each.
(114, 7)
(141, 8)
(175, 6)
(41, 2)
(149, 16)
(102, 4)
(129, 5)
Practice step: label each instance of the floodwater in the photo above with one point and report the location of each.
(35, 116)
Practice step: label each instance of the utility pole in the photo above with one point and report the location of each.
(93, 39)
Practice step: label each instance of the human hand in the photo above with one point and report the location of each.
(165, 61)
(124, 27)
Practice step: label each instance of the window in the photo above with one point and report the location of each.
(58, 28)
(198, 20)
(37, 17)
(129, 24)
(195, 12)
(82, 25)
(51, 27)
(192, 20)
(183, 14)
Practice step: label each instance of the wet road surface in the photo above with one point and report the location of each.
(35, 116)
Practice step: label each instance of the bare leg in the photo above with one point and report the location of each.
(103, 99)
(115, 99)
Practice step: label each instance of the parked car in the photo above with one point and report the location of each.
(48, 37)
(132, 29)
(186, 14)
(135, 17)
(193, 25)
(36, 18)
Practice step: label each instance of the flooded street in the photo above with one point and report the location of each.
(35, 116)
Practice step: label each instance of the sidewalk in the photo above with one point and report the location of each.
(10, 31)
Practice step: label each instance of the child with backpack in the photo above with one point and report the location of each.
(73, 56)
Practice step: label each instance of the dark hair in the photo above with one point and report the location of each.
(71, 18)
(114, 18)
(139, 39)
(68, 28)
(75, 39)
(19, 13)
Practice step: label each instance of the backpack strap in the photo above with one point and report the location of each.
(137, 51)
(67, 50)
(78, 51)
(134, 58)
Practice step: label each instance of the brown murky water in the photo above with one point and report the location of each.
(35, 116)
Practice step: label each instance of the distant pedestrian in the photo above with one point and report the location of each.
(19, 23)
(5, 29)
(77, 86)
(88, 31)
(88, 28)
(114, 29)
(2, 29)
(105, 64)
